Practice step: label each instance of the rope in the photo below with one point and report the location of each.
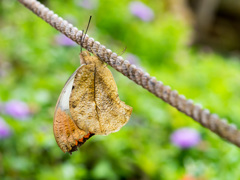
(202, 116)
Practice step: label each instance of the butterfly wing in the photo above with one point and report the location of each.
(82, 100)
(94, 103)
(68, 136)
(88, 104)
(113, 113)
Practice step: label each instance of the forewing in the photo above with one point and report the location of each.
(82, 100)
(68, 136)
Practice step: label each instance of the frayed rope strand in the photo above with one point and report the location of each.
(203, 116)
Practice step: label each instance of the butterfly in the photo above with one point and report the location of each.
(88, 105)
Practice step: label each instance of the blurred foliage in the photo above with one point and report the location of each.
(37, 68)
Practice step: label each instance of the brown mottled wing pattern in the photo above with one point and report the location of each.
(94, 103)
(81, 103)
(68, 136)
(112, 112)
(66, 133)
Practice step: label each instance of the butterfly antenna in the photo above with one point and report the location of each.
(86, 29)
(123, 51)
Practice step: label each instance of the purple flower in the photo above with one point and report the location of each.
(185, 138)
(64, 40)
(17, 109)
(133, 59)
(88, 4)
(141, 10)
(4, 129)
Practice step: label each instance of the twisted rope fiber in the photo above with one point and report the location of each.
(203, 116)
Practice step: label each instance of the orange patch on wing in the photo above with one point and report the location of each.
(87, 135)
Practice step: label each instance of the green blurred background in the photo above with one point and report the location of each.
(35, 63)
